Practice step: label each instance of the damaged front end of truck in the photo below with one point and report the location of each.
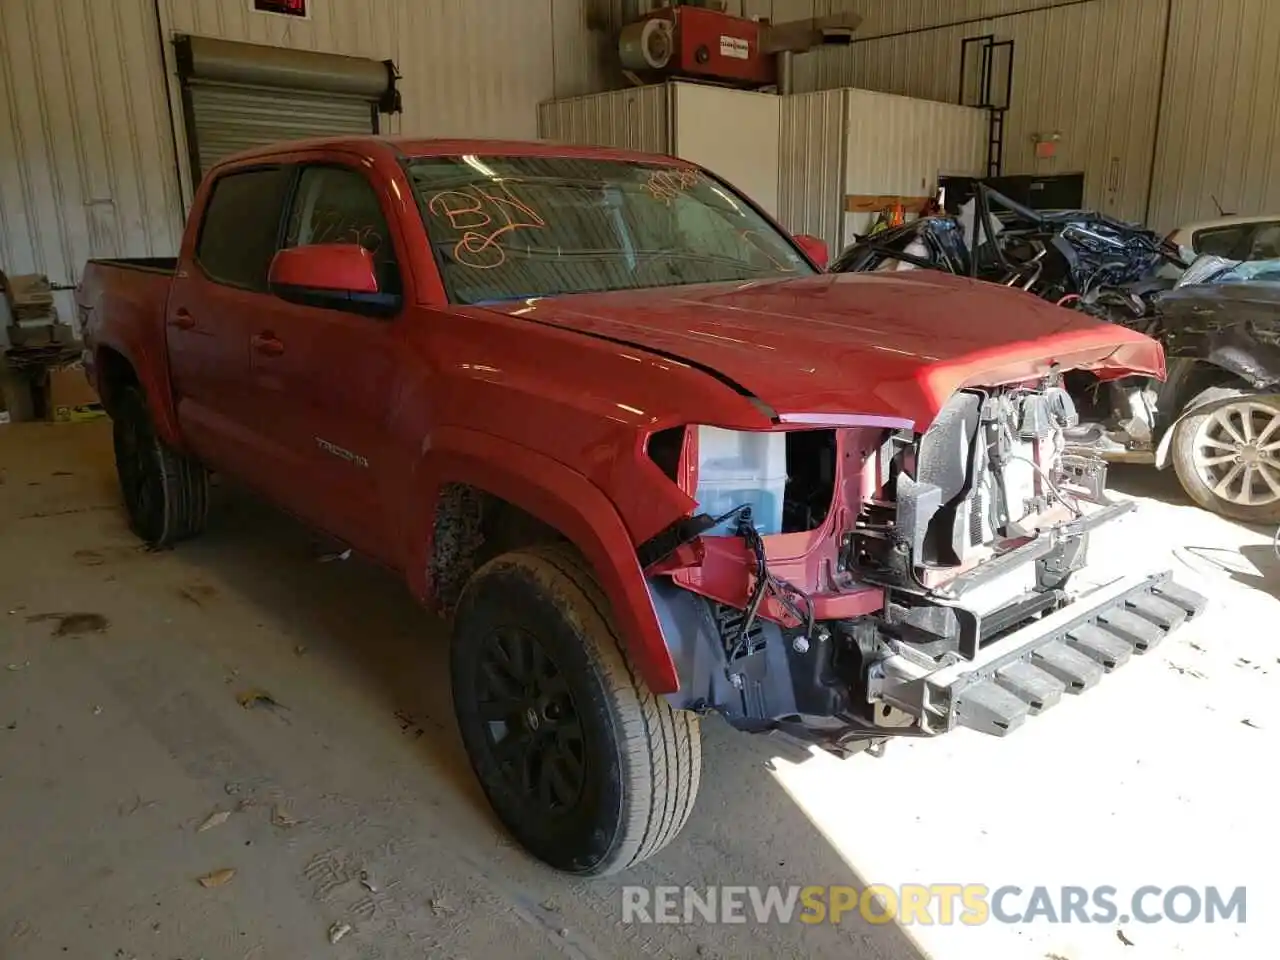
(855, 580)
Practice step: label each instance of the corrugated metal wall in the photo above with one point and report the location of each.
(899, 146)
(86, 152)
(88, 160)
(1090, 71)
(733, 133)
(634, 119)
(811, 168)
(1220, 123)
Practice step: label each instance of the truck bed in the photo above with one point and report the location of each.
(167, 265)
(122, 305)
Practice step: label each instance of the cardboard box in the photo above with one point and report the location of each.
(16, 393)
(70, 397)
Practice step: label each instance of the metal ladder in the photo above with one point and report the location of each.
(995, 58)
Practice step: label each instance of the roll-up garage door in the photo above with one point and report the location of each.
(240, 95)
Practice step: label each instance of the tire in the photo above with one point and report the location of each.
(1197, 434)
(591, 772)
(166, 494)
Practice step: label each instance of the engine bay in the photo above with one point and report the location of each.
(887, 545)
(991, 470)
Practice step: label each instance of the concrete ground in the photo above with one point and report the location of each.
(351, 802)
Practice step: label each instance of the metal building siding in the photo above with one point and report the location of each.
(882, 17)
(367, 28)
(634, 119)
(88, 165)
(470, 67)
(86, 159)
(1220, 123)
(812, 163)
(1089, 70)
(580, 54)
(899, 146)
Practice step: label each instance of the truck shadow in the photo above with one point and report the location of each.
(1251, 565)
(1136, 480)
(745, 829)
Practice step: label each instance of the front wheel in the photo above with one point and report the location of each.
(1228, 460)
(165, 493)
(588, 769)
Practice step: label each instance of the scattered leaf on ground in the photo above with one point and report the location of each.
(217, 878)
(281, 818)
(337, 931)
(215, 819)
(197, 593)
(254, 697)
(19, 666)
(73, 624)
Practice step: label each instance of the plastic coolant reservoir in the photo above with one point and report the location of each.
(735, 467)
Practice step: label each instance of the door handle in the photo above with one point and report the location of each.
(268, 344)
(182, 319)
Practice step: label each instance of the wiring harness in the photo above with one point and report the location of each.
(791, 598)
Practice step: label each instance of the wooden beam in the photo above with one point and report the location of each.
(874, 203)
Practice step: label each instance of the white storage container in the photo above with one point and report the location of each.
(737, 467)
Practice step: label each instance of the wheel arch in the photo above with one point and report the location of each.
(1188, 379)
(117, 366)
(559, 499)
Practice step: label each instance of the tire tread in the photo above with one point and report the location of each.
(184, 482)
(662, 744)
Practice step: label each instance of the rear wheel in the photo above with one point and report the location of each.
(585, 766)
(165, 493)
(1228, 460)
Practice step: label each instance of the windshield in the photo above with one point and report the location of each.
(506, 228)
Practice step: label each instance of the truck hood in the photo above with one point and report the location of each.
(889, 346)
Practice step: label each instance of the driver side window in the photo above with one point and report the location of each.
(338, 205)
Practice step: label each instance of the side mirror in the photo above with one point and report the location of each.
(814, 249)
(337, 276)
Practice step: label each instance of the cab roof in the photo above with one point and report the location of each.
(420, 147)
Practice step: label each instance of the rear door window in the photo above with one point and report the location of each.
(1265, 243)
(1222, 241)
(241, 228)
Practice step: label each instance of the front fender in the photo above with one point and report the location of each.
(566, 501)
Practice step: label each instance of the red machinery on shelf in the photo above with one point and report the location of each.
(701, 41)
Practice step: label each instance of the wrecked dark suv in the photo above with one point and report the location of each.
(614, 423)
(1215, 418)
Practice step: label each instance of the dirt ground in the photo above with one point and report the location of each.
(348, 798)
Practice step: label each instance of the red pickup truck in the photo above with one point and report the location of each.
(599, 409)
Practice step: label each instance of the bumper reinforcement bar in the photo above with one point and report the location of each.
(1066, 652)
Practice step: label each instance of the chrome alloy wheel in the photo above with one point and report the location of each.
(1237, 453)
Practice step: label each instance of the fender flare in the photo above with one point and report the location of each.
(1166, 440)
(563, 499)
(153, 377)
